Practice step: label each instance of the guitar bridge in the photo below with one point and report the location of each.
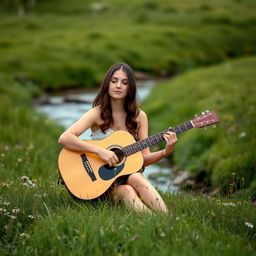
(88, 167)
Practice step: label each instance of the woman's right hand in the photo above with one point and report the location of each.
(108, 156)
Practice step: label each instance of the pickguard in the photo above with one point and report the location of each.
(107, 173)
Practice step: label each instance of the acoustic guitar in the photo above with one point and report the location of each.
(87, 176)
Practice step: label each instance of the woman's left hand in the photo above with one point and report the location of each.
(171, 139)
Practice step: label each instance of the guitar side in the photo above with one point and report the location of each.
(86, 176)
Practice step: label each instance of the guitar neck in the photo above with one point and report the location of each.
(154, 139)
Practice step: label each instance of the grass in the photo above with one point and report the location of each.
(227, 152)
(39, 217)
(50, 222)
(57, 46)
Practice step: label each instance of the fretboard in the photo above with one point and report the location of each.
(154, 139)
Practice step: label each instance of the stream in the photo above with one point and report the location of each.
(66, 109)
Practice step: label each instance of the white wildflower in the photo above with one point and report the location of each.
(249, 224)
(5, 184)
(228, 204)
(32, 216)
(2, 210)
(242, 135)
(24, 235)
(25, 178)
(15, 210)
(12, 216)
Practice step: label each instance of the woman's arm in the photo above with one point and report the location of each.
(153, 157)
(70, 138)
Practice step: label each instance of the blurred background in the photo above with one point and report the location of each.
(188, 56)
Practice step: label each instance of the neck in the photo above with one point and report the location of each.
(154, 139)
(117, 106)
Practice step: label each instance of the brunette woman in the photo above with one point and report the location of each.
(115, 108)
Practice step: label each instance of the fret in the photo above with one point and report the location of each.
(142, 144)
(185, 124)
(183, 127)
(177, 130)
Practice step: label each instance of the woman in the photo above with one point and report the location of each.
(115, 108)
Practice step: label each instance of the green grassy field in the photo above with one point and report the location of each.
(59, 45)
(39, 217)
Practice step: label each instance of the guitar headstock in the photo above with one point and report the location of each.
(207, 118)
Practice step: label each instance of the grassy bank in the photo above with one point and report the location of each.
(57, 45)
(227, 153)
(39, 217)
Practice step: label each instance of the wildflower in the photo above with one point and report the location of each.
(27, 182)
(2, 210)
(5, 184)
(15, 210)
(12, 216)
(242, 135)
(6, 203)
(25, 178)
(249, 224)
(228, 204)
(3, 155)
(6, 147)
(19, 160)
(177, 218)
(31, 216)
(24, 235)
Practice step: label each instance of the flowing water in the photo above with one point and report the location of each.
(65, 112)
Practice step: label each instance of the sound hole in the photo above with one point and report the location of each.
(119, 153)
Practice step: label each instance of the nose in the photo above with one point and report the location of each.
(118, 84)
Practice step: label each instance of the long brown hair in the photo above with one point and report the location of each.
(130, 105)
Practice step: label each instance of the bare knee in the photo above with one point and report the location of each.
(137, 180)
(124, 191)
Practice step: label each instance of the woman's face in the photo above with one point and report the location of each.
(118, 85)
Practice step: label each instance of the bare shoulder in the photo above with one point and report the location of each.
(94, 111)
(142, 116)
(93, 115)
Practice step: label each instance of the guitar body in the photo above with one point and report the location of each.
(87, 176)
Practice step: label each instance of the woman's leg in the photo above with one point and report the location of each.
(147, 192)
(129, 196)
